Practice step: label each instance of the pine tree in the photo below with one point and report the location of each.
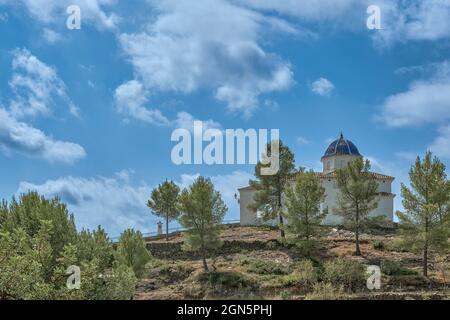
(131, 251)
(426, 217)
(202, 211)
(271, 188)
(357, 195)
(164, 202)
(303, 206)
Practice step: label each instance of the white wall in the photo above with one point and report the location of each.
(385, 204)
(247, 216)
(336, 162)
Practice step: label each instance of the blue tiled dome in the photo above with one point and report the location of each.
(341, 146)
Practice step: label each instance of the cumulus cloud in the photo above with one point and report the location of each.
(207, 45)
(20, 137)
(310, 10)
(112, 202)
(415, 20)
(441, 145)
(426, 101)
(227, 185)
(322, 87)
(118, 203)
(36, 86)
(185, 120)
(51, 36)
(131, 98)
(49, 12)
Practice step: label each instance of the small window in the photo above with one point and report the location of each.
(328, 165)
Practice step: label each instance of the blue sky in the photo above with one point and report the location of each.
(88, 114)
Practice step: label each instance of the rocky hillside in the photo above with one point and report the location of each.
(253, 263)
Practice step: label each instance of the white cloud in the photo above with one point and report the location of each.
(117, 203)
(310, 10)
(227, 185)
(441, 145)
(131, 98)
(322, 87)
(51, 36)
(303, 141)
(207, 44)
(49, 12)
(20, 137)
(415, 20)
(185, 120)
(112, 202)
(402, 21)
(425, 101)
(36, 86)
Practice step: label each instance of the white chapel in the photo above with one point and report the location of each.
(336, 156)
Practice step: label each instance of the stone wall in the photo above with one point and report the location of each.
(173, 250)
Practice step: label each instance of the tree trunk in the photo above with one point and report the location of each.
(358, 251)
(425, 250)
(167, 228)
(280, 216)
(281, 226)
(205, 265)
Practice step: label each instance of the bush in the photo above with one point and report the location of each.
(174, 272)
(324, 291)
(378, 245)
(132, 252)
(306, 247)
(225, 280)
(400, 245)
(349, 274)
(392, 268)
(264, 267)
(38, 242)
(304, 275)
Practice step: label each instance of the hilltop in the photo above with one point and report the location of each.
(254, 263)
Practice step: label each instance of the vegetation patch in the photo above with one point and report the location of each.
(264, 267)
(349, 274)
(392, 268)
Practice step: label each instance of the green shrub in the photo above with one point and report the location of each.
(349, 274)
(392, 268)
(286, 295)
(324, 291)
(225, 279)
(173, 272)
(264, 266)
(304, 275)
(378, 245)
(132, 252)
(400, 245)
